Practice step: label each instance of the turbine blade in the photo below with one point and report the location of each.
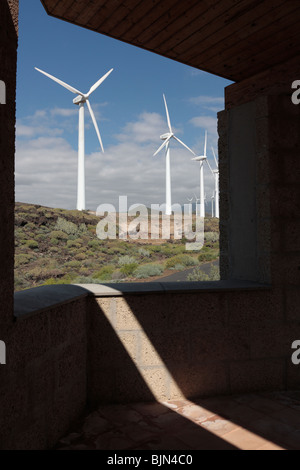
(210, 167)
(162, 146)
(98, 83)
(205, 144)
(168, 117)
(95, 124)
(213, 151)
(68, 87)
(184, 144)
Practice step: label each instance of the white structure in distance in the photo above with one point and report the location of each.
(80, 100)
(202, 159)
(190, 200)
(216, 177)
(166, 138)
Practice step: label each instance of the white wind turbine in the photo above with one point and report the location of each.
(167, 137)
(197, 199)
(202, 159)
(216, 176)
(190, 200)
(212, 204)
(80, 100)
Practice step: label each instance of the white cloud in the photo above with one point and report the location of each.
(213, 104)
(46, 168)
(207, 100)
(64, 112)
(31, 131)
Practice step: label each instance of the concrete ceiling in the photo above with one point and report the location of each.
(234, 39)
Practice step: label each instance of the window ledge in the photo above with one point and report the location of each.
(32, 301)
(142, 288)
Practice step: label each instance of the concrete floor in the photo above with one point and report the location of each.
(258, 421)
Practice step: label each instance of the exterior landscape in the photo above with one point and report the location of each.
(58, 246)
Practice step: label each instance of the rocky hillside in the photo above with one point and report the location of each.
(60, 246)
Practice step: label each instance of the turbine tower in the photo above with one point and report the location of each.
(166, 138)
(190, 200)
(212, 204)
(80, 100)
(202, 159)
(216, 176)
(197, 199)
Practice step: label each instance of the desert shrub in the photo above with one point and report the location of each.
(73, 244)
(211, 237)
(148, 270)
(54, 241)
(144, 253)
(117, 275)
(82, 228)
(22, 259)
(85, 280)
(73, 264)
(124, 260)
(89, 253)
(29, 226)
(94, 244)
(208, 256)
(32, 244)
(41, 237)
(199, 275)
(185, 260)
(19, 283)
(43, 273)
(214, 273)
(105, 273)
(84, 271)
(80, 256)
(65, 226)
(179, 267)
(59, 234)
(67, 279)
(128, 269)
(155, 248)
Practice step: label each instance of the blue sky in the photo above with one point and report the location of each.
(130, 113)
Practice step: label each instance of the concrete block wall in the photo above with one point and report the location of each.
(8, 66)
(169, 346)
(43, 384)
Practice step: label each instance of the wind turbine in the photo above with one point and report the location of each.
(80, 100)
(216, 176)
(190, 200)
(212, 204)
(166, 138)
(197, 199)
(202, 159)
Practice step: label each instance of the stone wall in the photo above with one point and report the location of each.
(43, 384)
(8, 61)
(168, 346)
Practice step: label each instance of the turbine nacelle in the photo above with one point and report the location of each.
(165, 136)
(79, 99)
(199, 159)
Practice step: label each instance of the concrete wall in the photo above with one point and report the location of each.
(8, 64)
(165, 344)
(43, 384)
(168, 346)
(245, 220)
